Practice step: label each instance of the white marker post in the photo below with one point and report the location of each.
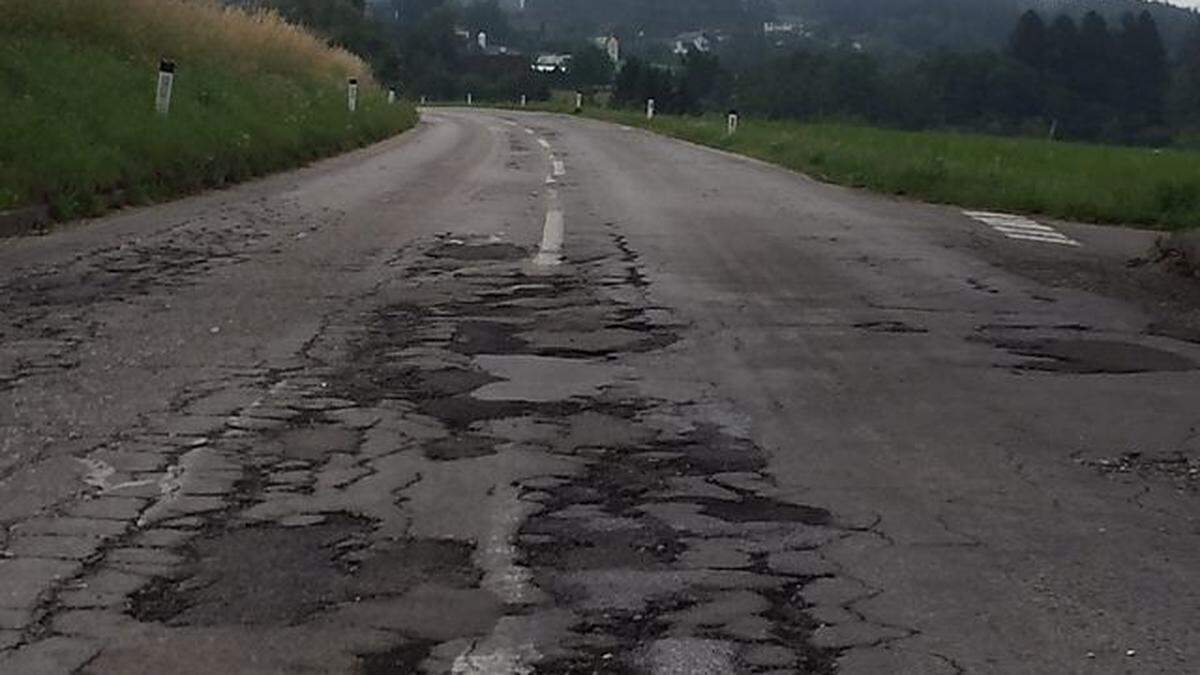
(423, 100)
(166, 85)
(578, 101)
(732, 125)
(524, 100)
(470, 99)
(650, 109)
(391, 97)
(352, 94)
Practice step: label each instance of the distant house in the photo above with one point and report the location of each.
(695, 41)
(611, 46)
(552, 63)
(786, 27)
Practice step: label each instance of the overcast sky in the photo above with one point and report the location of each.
(1185, 3)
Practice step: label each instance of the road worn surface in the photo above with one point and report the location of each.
(529, 394)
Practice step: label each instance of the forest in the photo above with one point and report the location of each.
(1124, 72)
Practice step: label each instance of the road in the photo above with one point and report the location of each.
(522, 393)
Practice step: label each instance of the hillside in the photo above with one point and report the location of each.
(253, 94)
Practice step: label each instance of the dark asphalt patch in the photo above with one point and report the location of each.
(1090, 357)
(756, 509)
(403, 659)
(460, 446)
(488, 337)
(890, 327)
(792, 628)
(273, 575)
(255, 575)
(314, 443)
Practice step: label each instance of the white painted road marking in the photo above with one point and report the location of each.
(550, 251)
(560, 169)
(1022, 228)
(544, 143)
(530, 131)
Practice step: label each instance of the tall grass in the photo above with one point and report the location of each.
(253, 94)
(201, 31)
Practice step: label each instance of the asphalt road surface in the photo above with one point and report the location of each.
(529, 394)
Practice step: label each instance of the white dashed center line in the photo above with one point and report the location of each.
(550, 251)
(1022, 228)
(544, 143)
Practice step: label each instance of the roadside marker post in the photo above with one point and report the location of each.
(650, 109)
(470, 99)
(391, 97)
(352, 94)
(423, 100)
(524, 100)
(166, 86)
(578, 101)
(732, 125)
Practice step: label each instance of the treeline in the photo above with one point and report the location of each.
(1085, 80)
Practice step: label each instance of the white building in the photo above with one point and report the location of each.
(695, 41)
(611, 46)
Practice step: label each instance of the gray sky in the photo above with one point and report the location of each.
(1185, 3)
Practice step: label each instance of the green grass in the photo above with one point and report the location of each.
(78, 128)
(1072, 181)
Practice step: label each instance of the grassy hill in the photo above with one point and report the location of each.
(253, 94)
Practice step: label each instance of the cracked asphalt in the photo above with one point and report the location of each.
(522, 393)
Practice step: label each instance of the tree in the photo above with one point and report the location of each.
(590, 67)
(1143, 72)
(1029, 43)
(1062, 49)
(702, 84)
(1185, 87)
(488, 17)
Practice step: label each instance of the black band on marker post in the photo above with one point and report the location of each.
(166, 66)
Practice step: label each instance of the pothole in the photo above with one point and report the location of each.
(475, 252)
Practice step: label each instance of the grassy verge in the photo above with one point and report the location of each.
(78, 130)
(1088, 183)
